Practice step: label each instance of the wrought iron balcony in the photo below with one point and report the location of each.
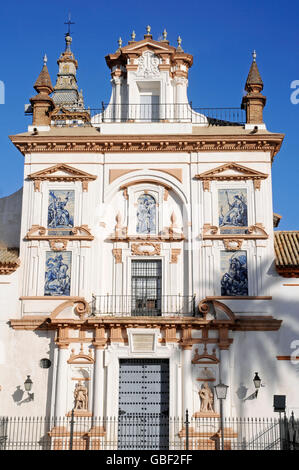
(136, 306)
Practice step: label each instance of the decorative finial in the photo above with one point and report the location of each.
(148, 29)
(68, 42)
(120, 41)
(164, 35)
(45, 59)
(133, 35)
(179, 48)
(254, 56)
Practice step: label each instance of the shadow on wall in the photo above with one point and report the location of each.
(258, 350)
(10, 219)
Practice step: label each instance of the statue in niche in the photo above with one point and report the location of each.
(146, 214)
(81, 397)
(206, 399)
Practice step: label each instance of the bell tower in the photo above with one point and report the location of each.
(66, 93)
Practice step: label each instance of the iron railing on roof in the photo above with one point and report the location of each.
(167, 112)
(143, 431)
(143, 305)
(147, 113)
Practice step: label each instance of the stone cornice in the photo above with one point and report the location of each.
(148, 143)
(241, 323)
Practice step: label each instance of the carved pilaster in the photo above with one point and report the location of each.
(117, 253)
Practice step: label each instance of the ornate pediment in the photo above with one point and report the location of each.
(58, 239)
(232, 240)
(231, 171)
(127, 56)
(149, 44)
(61, 172)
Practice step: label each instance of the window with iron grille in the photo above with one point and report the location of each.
(146, 287)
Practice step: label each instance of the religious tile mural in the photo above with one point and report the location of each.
(61, 211)
(232, 210)
(234, 273)
(58, 273)
(146, 214)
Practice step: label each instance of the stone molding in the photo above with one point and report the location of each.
(242, 323)
(147, 143)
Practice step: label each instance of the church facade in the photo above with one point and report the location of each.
(143, 267)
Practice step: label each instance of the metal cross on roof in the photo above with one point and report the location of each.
(69, 22)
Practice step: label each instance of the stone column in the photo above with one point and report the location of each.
(61, 385)
(117, 112)
(181, 103)
(187, 379)
(224, 376)
(98, 394)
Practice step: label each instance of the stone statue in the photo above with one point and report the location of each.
(206, 399)
(81, 397)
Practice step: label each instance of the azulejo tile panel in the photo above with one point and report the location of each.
(61, 211)
(234, 273)
(232, 210)
(58, 273)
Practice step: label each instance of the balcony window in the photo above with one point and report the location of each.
(146, 287)
(149, 107)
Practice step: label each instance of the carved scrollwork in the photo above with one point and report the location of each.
(38, 232)
(150, 248)
(232, 244)
(203, 307)
(209, 229)
(58, 245)
(82, 308)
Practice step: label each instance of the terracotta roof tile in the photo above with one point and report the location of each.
(8, 255)
(254, 77)
(286, 245)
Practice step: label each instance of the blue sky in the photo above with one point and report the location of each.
(220, 36)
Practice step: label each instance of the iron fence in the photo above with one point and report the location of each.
(144, 432)
(133, 305)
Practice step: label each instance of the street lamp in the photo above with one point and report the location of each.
(28, 386)
(257, 383)
(221, 391)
